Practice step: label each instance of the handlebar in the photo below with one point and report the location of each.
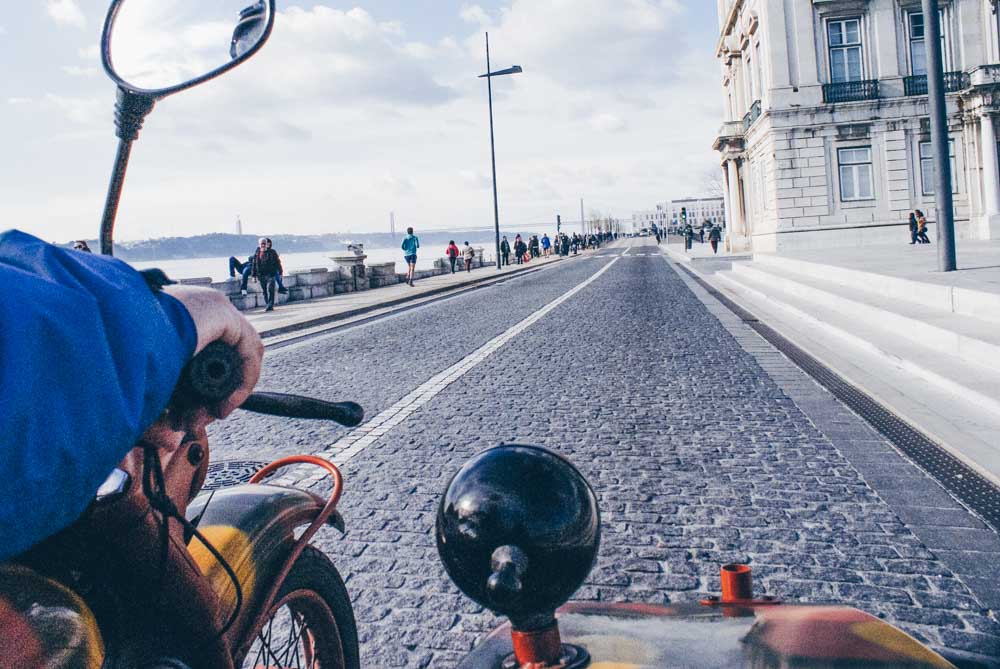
(217, 371)
(296, 406)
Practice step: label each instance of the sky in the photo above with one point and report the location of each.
(357, 109)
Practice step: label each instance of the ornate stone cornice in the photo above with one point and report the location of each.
(727, 27)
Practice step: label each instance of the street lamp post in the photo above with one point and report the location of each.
(516, 69)
(939, 138)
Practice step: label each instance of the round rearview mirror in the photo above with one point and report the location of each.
(163, 46)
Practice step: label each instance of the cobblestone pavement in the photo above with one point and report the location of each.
(698, 456)
(377, 363)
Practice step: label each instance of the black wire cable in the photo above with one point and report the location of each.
(154, 488)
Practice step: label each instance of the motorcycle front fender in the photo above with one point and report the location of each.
(253, 527)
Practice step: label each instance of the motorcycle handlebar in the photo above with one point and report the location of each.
(296, 406)
(217, 371)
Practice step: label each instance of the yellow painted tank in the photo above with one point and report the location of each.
(45, 624)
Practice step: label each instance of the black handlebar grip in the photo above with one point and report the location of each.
(348, 414)
(210, 377)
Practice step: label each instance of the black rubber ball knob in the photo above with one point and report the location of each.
(518, 530)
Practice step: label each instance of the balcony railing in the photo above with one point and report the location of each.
(751, 116)
(850, 91)
(953, 83)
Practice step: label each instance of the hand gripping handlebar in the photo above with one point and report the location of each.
(217, 371)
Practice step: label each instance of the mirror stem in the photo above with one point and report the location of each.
(130, 111)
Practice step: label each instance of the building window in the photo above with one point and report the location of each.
(845, 50)
(918, 48)
(856, 173)
(927, 167)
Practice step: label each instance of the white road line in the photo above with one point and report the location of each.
(367, 434)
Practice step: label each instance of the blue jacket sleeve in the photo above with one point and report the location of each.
(89, 357)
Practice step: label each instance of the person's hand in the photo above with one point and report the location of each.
(216, 319)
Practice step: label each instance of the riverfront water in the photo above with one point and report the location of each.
(218, 268)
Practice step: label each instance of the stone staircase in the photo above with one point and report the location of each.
(929, 351)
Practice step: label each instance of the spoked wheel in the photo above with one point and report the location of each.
(311, 624)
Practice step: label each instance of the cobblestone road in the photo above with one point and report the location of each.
(698, 456)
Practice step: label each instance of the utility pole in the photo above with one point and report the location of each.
(583, 225)
(939, 138)
(392, 225)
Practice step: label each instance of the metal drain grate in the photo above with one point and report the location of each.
(974, 490)
(231, 472)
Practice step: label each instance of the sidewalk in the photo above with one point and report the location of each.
(698, 252)
(294, 316)
(978, 263)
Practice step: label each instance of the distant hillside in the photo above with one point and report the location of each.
(220, 245)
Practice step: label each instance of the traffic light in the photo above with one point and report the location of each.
(684, 214)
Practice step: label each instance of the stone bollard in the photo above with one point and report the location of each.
(353, 268)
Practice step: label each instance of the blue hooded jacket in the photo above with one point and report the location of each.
(89, 357)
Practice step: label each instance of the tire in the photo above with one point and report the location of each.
(313, 595)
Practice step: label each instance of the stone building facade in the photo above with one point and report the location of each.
(668, 214)
(645, 220)
(698, 210)
(826, 140)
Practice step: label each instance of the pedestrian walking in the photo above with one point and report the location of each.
(565, 244)
(701, 233)
(913, 228)
(520, 249)
(469, 254)
(688, 237)
(922, 228)
(714, 237)
(410, 245)
(452, 253)
(546, 246)
(265, 267)
(533, 246)
(505, 251)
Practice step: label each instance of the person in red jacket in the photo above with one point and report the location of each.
(452, 253)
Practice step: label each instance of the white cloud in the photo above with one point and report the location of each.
(394, 184)
(590, 42)
(474, 179)
(329, 56)
(79, 110)
(607, 123)
(343, 117)
(81, 71)
(66, 12)
(475, 14)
